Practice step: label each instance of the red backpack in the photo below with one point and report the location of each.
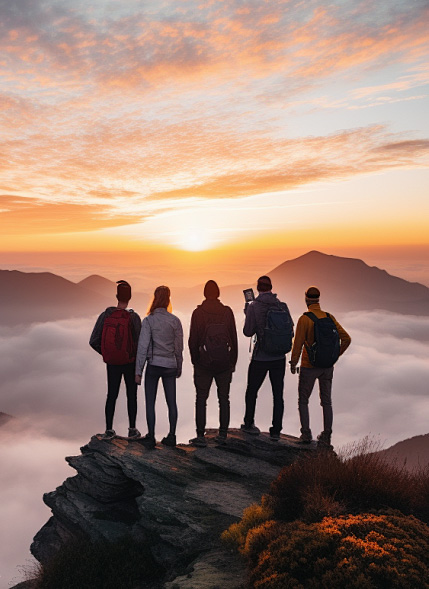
(117, 344)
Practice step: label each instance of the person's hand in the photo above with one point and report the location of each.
(138, 378)
(292, 368)
(246, 306)
(179, 373)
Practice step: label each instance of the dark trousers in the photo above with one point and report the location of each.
(151, 379)
(307, 378)
(203, 380)
(258, 370)
(114, 377)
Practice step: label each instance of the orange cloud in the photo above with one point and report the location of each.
(21, 216)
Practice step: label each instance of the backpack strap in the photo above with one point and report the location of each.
(312, 316)
(151, 339)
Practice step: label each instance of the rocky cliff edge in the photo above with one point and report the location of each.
(178, 500)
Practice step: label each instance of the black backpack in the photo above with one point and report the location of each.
(325, 350)
(215, 349)
(278, 331)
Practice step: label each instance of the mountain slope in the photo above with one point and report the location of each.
(413, 452)
(346, 284)
(349, 284)
(27, 297)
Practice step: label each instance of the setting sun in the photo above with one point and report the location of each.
(195, 241)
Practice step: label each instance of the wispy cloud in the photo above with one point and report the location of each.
(109, 109)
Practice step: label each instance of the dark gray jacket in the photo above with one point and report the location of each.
(256, 317)
(95, 339)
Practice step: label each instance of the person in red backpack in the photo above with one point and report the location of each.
(115, 337)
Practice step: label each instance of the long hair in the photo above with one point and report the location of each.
(161, 299)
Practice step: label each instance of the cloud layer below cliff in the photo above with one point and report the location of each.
(54, 384)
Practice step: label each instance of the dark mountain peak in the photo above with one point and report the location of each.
(98, 284)
(412, 452)
(316, 257)
(349, 284)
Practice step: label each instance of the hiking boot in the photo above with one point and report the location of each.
(324, 441)
(274, 435)
(133, 433)
(199, 442)
(109, 434)
(149, 442)
(169, 440)
(250, 429)
(306, 437)
(221, 438)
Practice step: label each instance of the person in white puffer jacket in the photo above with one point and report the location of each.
(161, 347)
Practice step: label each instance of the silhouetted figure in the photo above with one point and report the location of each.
(321, 339)
(115, 336)
(213, 347)
(161, 346)
(265, 358)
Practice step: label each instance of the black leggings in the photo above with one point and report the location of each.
(114, 377)
(168, 377)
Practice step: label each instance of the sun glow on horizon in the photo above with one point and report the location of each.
(195, 240)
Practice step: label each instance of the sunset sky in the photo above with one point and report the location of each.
(162, 127)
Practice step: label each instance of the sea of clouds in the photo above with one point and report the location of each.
(55, 386)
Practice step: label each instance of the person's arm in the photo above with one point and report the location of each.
(178, 346)
(95, 339)
(298, 342)
(345, 339)
(136, 325)
(193, 341)
(249, 328)
(142, 348)
(233, 337)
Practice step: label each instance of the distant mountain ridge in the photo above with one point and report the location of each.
(412, 452)
(346, 284)
(30, 297)
(352, 285)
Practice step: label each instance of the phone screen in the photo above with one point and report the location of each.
(248, 295)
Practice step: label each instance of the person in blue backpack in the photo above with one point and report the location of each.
(115, 337)
(269, 320)
(322, 340)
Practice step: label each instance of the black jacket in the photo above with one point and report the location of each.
(211, 311)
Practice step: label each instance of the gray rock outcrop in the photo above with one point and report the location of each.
(177, 500)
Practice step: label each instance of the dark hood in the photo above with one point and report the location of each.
(212, 306)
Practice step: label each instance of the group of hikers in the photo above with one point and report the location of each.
(128, 345)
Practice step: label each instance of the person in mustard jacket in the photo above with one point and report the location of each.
(304, 342)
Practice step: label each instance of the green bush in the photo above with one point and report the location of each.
(365, 551)
(124, 564)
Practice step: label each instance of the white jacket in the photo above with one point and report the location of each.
(160, 341)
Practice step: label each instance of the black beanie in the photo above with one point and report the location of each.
(312, 292)
(211, 290)
(264, 284)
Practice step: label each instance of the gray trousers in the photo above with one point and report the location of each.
(307, 378)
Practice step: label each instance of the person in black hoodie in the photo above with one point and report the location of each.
(214, 349)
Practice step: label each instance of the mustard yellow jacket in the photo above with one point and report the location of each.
(305, 333)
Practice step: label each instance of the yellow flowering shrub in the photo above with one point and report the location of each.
(365, 551)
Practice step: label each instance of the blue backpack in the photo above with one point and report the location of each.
(278, 331)
(325, 350)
